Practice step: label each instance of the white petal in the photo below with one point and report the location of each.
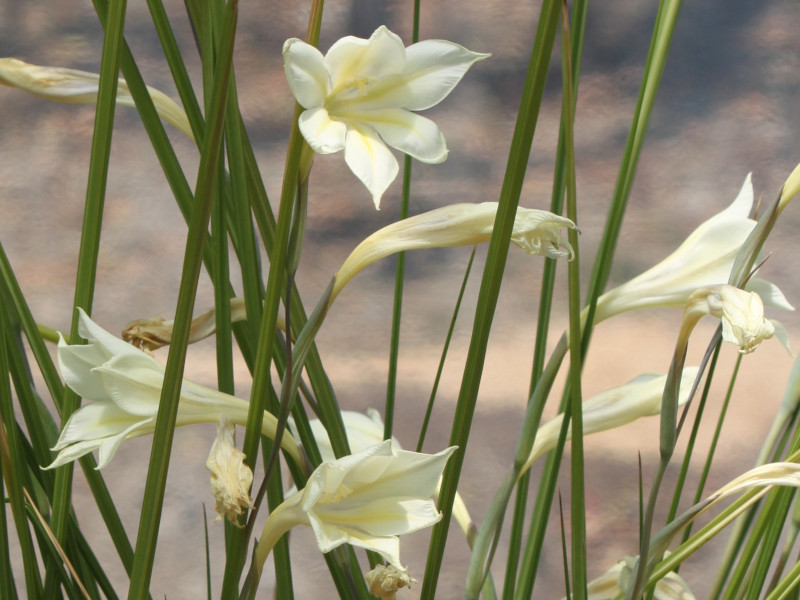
(741, 207)
(322, 133)
(133, 385)
(109, 343)
(330, 536)
(110, 444)
(769, 292)
(417, 136)
(76, 364)
(370, 160)
(351, 57)
(95, 420)
(306, 73)
(434, 68)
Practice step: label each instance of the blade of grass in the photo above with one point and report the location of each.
(167, 414)
(490, 285)
(90, 237)
(578, 492)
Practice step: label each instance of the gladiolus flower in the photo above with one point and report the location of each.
(361, 97)
(231, 478)
(535, 231)
(613, 408)
(741, 314)
(613, 583)
(80, 87)
(365, 499)
(124, 385)
(705, 258)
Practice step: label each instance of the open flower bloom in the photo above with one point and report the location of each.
(365, 499)
(613, 583)
(705, 258)
(361, 97)
(535, 231)
(124, 385)
(231, 478)
(741, 314)
(80, 87)
(613, 408)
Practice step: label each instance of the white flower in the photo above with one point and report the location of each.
(365, 430)
(361, 95)
(365, 499)
(80, 87)
(613, 408)
(705, 258)
(741, 314)
(231, 478)
(613, 583)
(535, 231)
(124, 385)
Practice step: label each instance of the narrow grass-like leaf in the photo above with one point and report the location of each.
(445, 348)
(490, 284)
(90, 238)
(165, 421)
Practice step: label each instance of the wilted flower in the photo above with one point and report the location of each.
(705, 258)
(613, 583)
(741, 314)
(613, 408)
(124, 385)
(365, 499)
(361, 95)
(384, 580)
(535, 231)
(80, 87)
(231, 478)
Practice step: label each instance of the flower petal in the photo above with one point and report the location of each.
(434, 68)
(322, 133)
(306, 73)
(95, 420)
(370, 160)
(769, 292)
(352, 58)
(132, 384)
(108, 343)
(417, 136)
(76, 364)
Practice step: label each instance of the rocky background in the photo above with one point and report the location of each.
(727, 106)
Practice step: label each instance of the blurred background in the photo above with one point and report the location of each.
(727, 106)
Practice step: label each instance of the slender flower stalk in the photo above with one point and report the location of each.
(124, 386)
(613, 408)
(366, 499)
(80, 87)
(362, 96)
(705, 258)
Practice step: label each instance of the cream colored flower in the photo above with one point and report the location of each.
(231, 478)
(362, 96)
(705, 258)
(790, 188)
(741, 314)
(613, 408)
(365, 430)
(366, 499)
(124, 385)
(613, 583)
(80, 87)
(535, 231)
(384, 580)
